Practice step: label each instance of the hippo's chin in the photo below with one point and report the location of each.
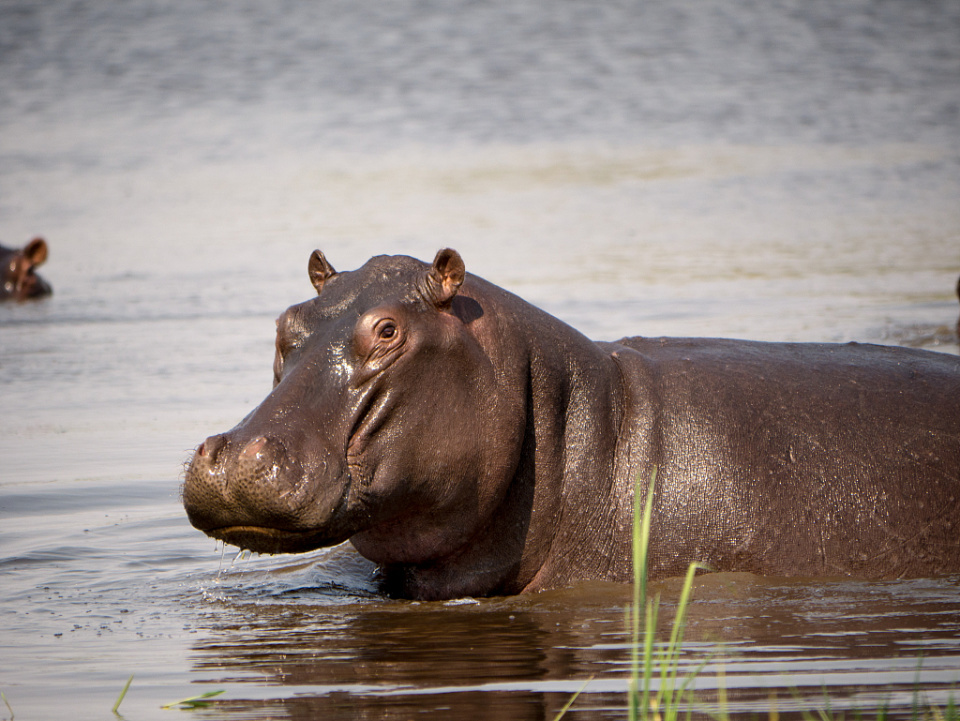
(260, 539)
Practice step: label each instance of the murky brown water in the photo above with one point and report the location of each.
(772, 171)
(758, 639)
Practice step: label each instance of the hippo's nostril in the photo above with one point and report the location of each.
(211, 447)
(253, 448)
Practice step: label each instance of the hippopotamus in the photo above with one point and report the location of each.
(19, 281)
(469, 444)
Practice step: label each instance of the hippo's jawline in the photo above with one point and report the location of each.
(262, 539)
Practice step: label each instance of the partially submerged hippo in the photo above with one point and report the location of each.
(18, 281)
(472, 444)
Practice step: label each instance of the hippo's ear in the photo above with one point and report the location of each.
(444, 278)
(320, 270)
(36, 251)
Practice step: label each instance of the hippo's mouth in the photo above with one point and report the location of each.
(262, 539)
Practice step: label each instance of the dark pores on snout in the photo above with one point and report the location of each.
(222, 474)
(259, 461)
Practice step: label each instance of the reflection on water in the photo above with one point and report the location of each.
(771, 170)
(869, 644)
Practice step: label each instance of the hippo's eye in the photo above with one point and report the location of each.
(379, 334)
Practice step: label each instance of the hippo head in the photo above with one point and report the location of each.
(20, 281)
(385, 424)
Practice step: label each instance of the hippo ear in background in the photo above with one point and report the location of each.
(36, 251)
(444, 278)
(320, 270)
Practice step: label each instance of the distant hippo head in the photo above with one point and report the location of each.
(19, 281)
(382, 395)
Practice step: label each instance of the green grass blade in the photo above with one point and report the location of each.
(641, 538)
(194, 701)
(650, 626)
(123, 693)
(806, 715)
(951, 712)
(573, 698)
(671, 657)
(7, 704)
(665, 704)
(916, 690)
(642, 515)
(722, 697)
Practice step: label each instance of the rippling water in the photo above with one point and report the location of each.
(777, 170)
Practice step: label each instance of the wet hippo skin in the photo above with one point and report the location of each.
(18, 279)
(471, 444)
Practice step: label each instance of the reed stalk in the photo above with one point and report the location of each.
(647, 659)
(666, 703)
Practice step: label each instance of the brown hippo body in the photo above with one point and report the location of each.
(18, 279)
(472, 444)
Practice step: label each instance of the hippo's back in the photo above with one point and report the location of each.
(799, 458)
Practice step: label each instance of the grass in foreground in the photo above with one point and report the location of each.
(126, 687)
(674, 696)
(666, 703)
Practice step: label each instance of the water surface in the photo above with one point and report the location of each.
(777, 171)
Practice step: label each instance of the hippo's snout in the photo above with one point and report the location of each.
(252, 492)
(242, 482)
(243, 470)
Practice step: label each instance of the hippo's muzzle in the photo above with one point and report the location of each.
(253, 493)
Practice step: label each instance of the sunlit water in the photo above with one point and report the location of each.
(778, 171)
